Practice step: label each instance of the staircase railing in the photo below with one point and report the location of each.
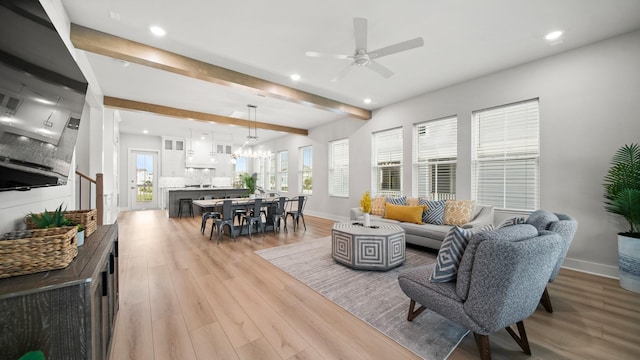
(98, 183)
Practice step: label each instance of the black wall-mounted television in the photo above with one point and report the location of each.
(42, 94)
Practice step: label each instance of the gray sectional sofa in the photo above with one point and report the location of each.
(430, 235)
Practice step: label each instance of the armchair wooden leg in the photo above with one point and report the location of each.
(413, 314)
(545, 301)
(482, 342)
(522, 339)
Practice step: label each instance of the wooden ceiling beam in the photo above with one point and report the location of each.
(125, 104)
(116, 47)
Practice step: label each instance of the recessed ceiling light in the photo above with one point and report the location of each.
(554, 35)
(157, 30)
(145, 131)
(367, 101)
(295, 77)
(122, 63)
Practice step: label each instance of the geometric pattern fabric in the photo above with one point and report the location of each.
(458, 212)
(368, 249)
(377, 206)
(512, 221)
(450, 254)
(434, 214)
(397, 200)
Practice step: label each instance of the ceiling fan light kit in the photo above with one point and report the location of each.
(363, 58)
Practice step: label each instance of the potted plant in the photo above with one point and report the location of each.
(365, 204)
(80, 234)
(250, 183)
(622, 194)
(48, 219)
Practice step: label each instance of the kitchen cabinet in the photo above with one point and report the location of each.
(67, 313)
(173, 152)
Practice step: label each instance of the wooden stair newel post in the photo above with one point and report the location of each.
(100, 198)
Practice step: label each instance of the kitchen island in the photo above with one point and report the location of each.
(195, 193)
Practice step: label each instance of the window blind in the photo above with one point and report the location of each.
(339, 168)
(259, 164)
(436, 151)
(283, 171)
(271, 170)
(505, 158)
(387, 165)
(306, 169)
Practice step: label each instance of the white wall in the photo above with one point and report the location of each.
(589, 106)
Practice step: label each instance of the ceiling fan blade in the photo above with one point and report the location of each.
(360, 33)
(383, 71)
(343, 73)
(325, 55)
(392, 49)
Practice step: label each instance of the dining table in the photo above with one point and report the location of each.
(269, 204)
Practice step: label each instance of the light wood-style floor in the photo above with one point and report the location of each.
(184, 297)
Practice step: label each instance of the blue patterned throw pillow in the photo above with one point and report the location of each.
(451, 251)
(435, 211)
(397, 200)
(450, 254)
(511, 221)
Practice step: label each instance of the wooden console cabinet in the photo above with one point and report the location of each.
(67, 313)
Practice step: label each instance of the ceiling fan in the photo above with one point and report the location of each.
(362, 57)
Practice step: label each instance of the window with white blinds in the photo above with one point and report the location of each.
(259, 165)
(387, 162)
(271, 173)
(505, 156)
(239, 169)
(283, 171)
(305, 167)
(339, 168)
(435, 155)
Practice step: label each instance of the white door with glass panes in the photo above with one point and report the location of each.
(143, 180)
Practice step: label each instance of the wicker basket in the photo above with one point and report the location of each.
(31, 251)
(88, 219)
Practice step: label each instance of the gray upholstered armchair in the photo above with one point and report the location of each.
(566, 227)
(501, 278)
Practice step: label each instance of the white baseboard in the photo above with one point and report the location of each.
(326, 216)
(591, 268)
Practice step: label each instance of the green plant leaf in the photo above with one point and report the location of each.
(622, 186)
(50, 219)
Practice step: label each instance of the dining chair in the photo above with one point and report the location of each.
(226, 219)
(238, 212)
(253, 216)
(208, 213)
(279, 213)
(296, 209)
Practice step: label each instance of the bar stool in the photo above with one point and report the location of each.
(182, 203)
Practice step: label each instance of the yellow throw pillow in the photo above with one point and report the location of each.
(411, 214)
(411, 201)
(377, 206)
(458, 212)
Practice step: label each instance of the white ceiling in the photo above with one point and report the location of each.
(464, 39)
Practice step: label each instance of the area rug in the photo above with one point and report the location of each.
(373, 296)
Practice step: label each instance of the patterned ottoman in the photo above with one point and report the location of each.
(379, 247)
